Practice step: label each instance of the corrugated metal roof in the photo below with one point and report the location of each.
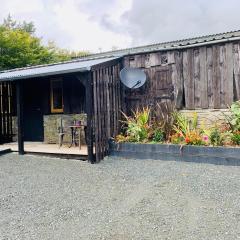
(85, 63)
(52, 69)
(178, 44)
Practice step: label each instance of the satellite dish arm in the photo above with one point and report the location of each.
(138, 82)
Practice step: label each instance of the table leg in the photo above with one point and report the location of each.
(72, 133)
(79, 143)
(74, 137)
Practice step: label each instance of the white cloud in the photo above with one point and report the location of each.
(158, 20)
(72, 24)
(84, 33)
(94, 24)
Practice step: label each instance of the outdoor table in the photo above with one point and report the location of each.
(74, 129)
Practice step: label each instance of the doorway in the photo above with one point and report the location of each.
(33, 111)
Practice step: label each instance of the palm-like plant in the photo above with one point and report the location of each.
(138, 124)
(183, 124)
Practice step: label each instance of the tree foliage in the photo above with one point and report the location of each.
(62, 54)
(10, 23)
(19, 47)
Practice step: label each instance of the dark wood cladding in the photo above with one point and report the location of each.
(158, 87)
(192, 78)
(74, 95)
(107, 106)
(88, 83)
(6, 108)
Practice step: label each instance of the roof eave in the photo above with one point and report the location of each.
(85, 69)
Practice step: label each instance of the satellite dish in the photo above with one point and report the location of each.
(133, 77)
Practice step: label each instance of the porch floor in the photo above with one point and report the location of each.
(40, 147)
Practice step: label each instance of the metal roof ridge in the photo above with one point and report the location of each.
(164, 43)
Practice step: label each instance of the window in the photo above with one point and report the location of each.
(164, 59)
(56, 96)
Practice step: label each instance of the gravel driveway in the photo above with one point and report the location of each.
(44, 198)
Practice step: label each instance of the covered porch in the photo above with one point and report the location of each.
(47, 149)
(41, 107)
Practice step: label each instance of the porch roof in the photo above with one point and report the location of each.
(52, 69)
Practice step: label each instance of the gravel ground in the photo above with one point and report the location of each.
(44, 198)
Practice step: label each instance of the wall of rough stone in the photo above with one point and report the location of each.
(53, 122)
(207, 117)
(14, 128)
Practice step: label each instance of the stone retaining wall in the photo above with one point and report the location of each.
(208, 117)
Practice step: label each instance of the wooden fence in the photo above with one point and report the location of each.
(6, 108)
(106, 106)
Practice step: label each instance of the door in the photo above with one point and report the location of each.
(161, 87)
(33, 111)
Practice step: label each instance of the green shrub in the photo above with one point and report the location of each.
(158, 135)
(236, 138)
(138, 125)
(215, 137)
(234, 119)
(164, 124)
(183, 124)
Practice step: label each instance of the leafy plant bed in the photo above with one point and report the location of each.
(169, 152)
(164, 133)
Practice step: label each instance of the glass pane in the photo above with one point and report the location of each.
(57, 94)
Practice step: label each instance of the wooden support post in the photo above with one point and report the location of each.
(19, 94)
(89, 110)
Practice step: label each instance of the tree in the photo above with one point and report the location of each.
(19, 47)
(12, 24)
(62, 54)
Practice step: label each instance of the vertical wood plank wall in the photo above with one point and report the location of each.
(202, 77)
(107, 106)
(6, 108)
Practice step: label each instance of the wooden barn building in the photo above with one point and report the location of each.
(198, 74)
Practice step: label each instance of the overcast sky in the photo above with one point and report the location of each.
(103, 24)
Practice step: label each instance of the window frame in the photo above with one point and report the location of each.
(56, 110)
